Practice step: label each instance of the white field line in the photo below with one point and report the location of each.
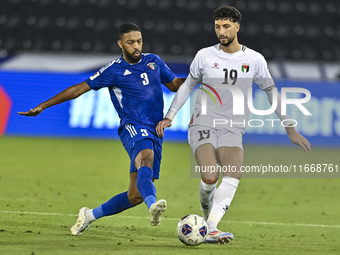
(176, 219)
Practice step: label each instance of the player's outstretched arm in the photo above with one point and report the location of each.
(298, 139)
(178, 101)
(174, 85)
(68, 94)
(294, 136)
(163, 124)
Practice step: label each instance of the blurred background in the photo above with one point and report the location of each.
(48, 45)
(289, 29)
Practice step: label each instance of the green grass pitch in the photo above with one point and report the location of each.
(44, 182)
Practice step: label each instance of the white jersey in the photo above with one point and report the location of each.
(226, 79)
(223, 76)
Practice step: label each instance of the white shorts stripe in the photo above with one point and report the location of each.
(133, 130)
(128, 128)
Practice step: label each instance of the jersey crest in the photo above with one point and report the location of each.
(152, 65)
(245, 68)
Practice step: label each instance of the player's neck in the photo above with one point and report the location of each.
(130, 61)
(232, 48)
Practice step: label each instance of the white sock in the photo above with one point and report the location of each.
(89, 216)
(222, 199)
(206, 192)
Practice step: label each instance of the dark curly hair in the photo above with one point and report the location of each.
(227, 12)
(126, 28)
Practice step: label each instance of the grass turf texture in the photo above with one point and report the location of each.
(44, 182)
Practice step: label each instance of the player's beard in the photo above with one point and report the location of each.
(227, 43)
(131, 57)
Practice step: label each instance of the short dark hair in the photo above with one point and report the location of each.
(126, 28)
(227, 12)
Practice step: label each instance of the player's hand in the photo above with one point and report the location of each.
(33, 112)
(298, 139)
(163, 124)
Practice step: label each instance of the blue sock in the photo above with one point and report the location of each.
(115, 205)
(98, 212)
(145, 185)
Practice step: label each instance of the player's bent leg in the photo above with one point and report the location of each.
(145, 186)
(206, 193)
(206, 157)
(134, 196)
(230, 158)
(116, 204)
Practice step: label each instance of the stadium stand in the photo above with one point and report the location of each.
(283, 30)
(303, 29)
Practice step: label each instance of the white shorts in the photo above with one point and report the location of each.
(198, 135)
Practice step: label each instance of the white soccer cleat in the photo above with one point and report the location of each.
(156, 211)
(82, 223)
(219, 237)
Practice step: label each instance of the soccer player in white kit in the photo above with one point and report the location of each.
(215, 132)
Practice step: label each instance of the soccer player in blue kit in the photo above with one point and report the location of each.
(134, 83)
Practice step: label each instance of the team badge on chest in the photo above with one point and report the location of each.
(152, 65)
(245, 68)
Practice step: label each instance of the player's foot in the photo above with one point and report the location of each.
(156, 211)
(82, 223)
(219, 237)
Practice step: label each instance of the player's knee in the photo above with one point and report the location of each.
(145, 159)
(135, 198)
(147, 162)
(210, 180)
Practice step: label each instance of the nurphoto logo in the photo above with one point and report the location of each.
(238, 108)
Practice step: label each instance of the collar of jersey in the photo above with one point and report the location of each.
(229, 54)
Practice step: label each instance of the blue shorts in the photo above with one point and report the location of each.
(136, 138)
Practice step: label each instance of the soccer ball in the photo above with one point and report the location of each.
(192, 230)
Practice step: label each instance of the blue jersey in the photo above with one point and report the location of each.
(135, 89)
